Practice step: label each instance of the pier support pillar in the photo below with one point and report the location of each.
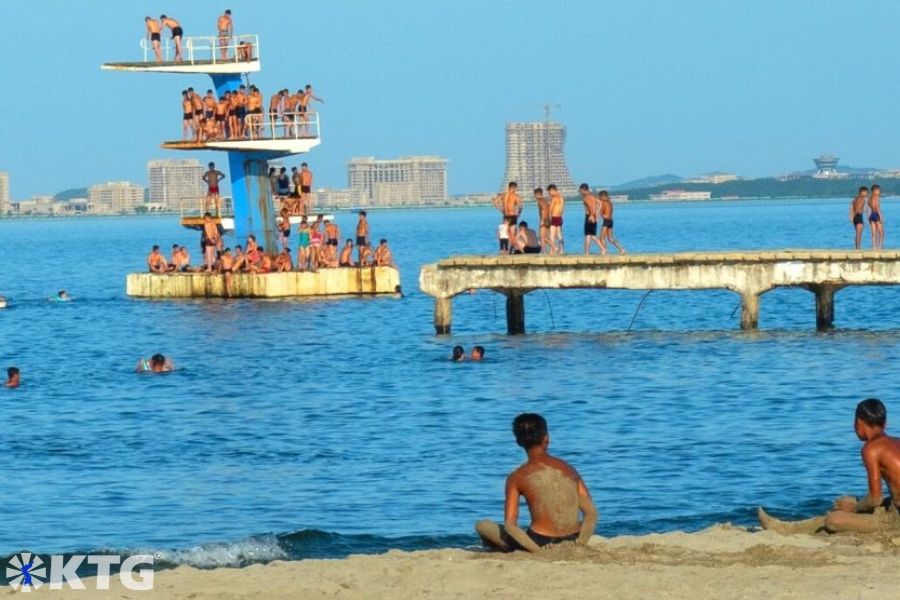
(749, 310)
(515, 313)
(443, 315)
(824, 305)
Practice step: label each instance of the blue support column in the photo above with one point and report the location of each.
(254, 211)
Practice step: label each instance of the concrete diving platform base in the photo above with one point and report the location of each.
(344, 281)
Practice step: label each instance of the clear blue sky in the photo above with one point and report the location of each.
(753, 87)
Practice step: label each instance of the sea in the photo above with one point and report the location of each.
(325, 427)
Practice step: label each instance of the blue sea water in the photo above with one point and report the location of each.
(298, 428)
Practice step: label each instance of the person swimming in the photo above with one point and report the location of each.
(459, 354)
(62, 296)
(156, 364)
(13, 377)
(2, 302)
(477, 353)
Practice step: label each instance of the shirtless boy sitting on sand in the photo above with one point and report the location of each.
(554, 491)
(881, 458)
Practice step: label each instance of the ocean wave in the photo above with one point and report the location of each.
(298, 545)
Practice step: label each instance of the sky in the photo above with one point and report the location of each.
(754, 87)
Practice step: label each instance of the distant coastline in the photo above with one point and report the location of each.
(435, 207)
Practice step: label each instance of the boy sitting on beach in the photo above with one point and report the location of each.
(881, 458)
(554, 491)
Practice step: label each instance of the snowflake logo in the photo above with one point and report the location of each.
(25, 572)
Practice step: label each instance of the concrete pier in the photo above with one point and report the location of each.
(326, 282)
(749, 274)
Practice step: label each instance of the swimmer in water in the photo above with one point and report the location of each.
(557, 497)
(157, 364)
(13, 378)
(459, 354)
(2, 302)
(477, 353)
(872, 512)
(63, 296)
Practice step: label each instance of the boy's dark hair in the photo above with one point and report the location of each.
(157, 359)
(362, 213)
(872, 412)
(583, 187)
(513, 184)
(863, 188)
(876, 187)
(551, 187)
(529, 429)
(479, 350)
(538, 190)
(458, 352)
(12, 371)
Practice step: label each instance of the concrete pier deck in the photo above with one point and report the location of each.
(749, 274)
(342, 281)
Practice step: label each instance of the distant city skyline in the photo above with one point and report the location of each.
(754, 88)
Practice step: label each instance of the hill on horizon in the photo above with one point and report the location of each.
(648, 182)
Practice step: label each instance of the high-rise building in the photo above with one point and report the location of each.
(4, 193)
(406, 180)
(176, 184)
(115, 197)
(535, 157)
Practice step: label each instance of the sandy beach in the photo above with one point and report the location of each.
(719, 562)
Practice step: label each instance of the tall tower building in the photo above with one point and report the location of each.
(4, 192)
(535, 157)
(176, 184)
(406, 180)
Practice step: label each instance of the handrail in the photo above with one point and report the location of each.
(195, 207)
(206, 48)
(288, 125)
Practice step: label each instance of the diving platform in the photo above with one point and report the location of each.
(272, 133)
(202, 55)
(341, 281)
(258, 139)
(749, 274)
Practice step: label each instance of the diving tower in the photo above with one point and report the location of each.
(270, 136)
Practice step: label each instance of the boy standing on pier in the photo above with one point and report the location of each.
(557, 497)
(876, 221)
(557, 205)
(871, 513)
(606, 231)
(857, 208)
(512, 204)
(590, 202)
(543, 206)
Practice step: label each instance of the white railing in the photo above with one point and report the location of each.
(206, 49)
(195, 207)
(284, 126)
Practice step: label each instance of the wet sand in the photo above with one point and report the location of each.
(720, 562)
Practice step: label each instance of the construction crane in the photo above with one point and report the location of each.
(548, 108)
